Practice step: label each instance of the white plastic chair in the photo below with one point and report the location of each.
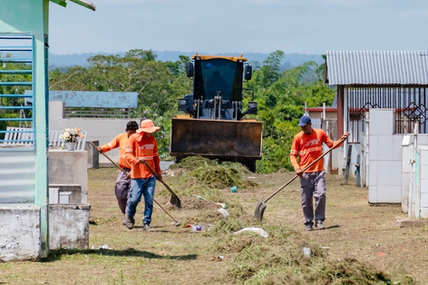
(15, 136)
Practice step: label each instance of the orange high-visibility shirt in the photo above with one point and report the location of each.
(145, 147)
(308, 148)
(121, 142)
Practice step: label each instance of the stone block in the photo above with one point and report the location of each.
(69, 226)
(69, 168)
(75, 189)
(411, 223)
(20, 235)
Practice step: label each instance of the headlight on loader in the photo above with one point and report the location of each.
(182, 105)
(252, 108)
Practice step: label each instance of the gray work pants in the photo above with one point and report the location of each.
(312, 185)
(123, 183)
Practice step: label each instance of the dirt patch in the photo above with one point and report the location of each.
(194, 203)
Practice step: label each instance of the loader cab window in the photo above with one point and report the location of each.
(217, 83)
(218, 75)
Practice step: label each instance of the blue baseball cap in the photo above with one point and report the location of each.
(304, 120)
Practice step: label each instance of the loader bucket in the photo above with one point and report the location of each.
(220, 139)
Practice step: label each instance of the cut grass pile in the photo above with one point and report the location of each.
(212, 173)
(279, 259)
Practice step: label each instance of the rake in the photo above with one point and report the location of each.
(261, 206)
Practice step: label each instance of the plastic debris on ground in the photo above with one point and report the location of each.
(307, 251)
(101, 247)
(197, 228)
(260, 231)
(224, 212)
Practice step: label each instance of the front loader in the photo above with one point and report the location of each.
(214, 125)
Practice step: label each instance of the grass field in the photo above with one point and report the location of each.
(362, 244)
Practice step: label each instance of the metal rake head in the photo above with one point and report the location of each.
(175, 201)
(259, 211)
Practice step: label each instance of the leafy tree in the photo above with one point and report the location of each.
(281, 103)
(270, 70)
(178, 68)
(11, 93)
(321, 69)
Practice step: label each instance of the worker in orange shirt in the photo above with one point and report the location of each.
(307, 146)
(123, 181)
(142, 149)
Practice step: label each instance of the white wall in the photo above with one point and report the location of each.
(415, 188)
(69, 168)
(409, 177)
(17, 176)
(406, 170)
(385, 158)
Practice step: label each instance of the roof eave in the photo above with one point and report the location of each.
(59, 2)
(83, 3)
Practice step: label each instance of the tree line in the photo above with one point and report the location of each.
(281, 94)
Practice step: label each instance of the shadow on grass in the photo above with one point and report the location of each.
(332, 227)
(55, 255)
(157, 229)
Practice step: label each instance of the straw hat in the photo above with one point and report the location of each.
(147, 126)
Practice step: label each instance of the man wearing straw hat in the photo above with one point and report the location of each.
(142, 149)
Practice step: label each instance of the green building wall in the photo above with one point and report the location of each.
(32, 16)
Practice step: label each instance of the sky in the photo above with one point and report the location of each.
(237, 27)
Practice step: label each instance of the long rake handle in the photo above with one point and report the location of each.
(117, 165)
(306, 168)
(176, 222)
(166, 185)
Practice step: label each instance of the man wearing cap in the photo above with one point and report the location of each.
(307, 146)
(123, 181)
(142, 149)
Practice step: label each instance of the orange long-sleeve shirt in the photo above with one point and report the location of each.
(308, 148)
(146, 147)
(121, 142)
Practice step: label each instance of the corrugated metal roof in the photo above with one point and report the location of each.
(376, 67)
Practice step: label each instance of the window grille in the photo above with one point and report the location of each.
(16, 106)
